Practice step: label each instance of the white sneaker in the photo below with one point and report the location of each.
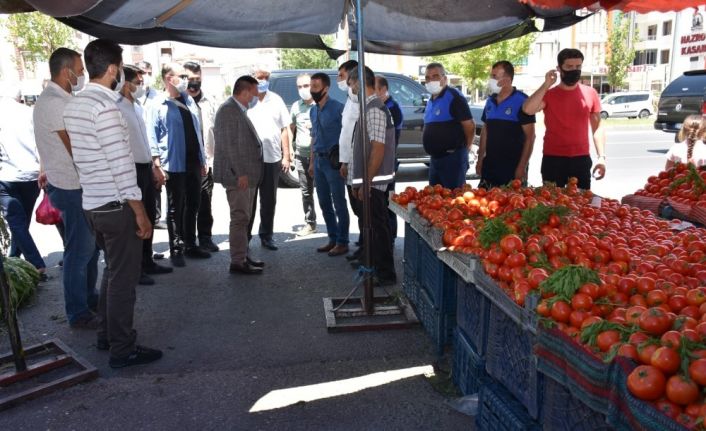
(306, 230)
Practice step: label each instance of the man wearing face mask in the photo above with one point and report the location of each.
(178, 154)
(449, 130)
(569, 109)
(301, 130)
(131, 110)
(111, 199)
(330, 186)
(60, 180)
(507, 137)
(271, 120)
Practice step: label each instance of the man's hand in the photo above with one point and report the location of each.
(42, 180)
(243, 182)
(159, 178)
(285, 164)
(204, 170)
(144, 226)
(311, 168)
(600, 169)
(344, 170)
(521, 172)
(550, 78)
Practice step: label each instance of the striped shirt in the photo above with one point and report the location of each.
(376, 123)
(99, 140)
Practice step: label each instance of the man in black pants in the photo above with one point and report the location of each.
(174, 136)
(131, 110)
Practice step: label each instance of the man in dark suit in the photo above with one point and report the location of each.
(238, 166)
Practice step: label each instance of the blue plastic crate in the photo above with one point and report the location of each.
(437, 278)
(511, 361)
(438, 325)
(472, 313)
(498, 410)
(563, 411)
(468, 367)
(411, 250)
(410, 286)
(525, 316)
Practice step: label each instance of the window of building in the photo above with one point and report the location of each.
(664, 56)
(652, 32)
(583, 47)
(666, 28)
(648, 56)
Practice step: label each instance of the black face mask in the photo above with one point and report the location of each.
(570, 77)
(194, 86)
(318, 95)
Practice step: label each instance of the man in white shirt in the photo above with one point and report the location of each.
(111, 198)
(271, 120)
(146, 102)
(131, 110)
(60, 180)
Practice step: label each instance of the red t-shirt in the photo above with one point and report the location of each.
(567, 120)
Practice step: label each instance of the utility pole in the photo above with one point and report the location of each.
(675, 47)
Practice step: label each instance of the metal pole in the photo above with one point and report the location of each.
(362, 141)
(18, 354)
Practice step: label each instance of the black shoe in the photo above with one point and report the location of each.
(146, 280)
(197, 253)
(253, 262)
(141, 355)
(160, 225)
(268, 244)
(208, 245)
(158, 256)
(178, 259)
(102, 344)
(89, 321)
(355, 256)
(244, 268)
(61, 262)
(155, 269)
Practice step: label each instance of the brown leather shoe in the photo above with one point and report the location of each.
(244, 268)
(338, 250)
(326, 248)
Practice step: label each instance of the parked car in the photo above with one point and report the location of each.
(410, 94)
(684, 96)
(627, 104)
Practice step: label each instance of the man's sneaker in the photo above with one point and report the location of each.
(141, 355)
(197, 253)
(208, 245)
(89, 321)
(155, 269)
(306, 230)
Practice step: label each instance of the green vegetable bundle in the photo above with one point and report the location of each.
(23, 278)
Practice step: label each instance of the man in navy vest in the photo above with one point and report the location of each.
(507, 137)
(449, 130)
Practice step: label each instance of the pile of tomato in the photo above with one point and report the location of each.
(682, 183)
(647, 301)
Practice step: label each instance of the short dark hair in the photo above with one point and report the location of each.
(100, 54)
(382, 81)
(243, 83)
(348, 65)
(324, 78)
(61, 58)
(369, 76)
(192, 66)
(131, 72)
(437, 66)
(507, 67)
(568, 53)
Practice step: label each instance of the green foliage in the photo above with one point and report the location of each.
(621, 45)
(38, 34)
(307, 58)
(22, 277)
(228, 91)
(474, 65)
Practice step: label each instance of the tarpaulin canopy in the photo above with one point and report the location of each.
(412, 27)
(641, 6)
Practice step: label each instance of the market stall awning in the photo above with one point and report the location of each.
(641, 6)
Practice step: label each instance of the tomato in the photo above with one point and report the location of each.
(668, 408)
(516, 259)
(656, 297)
(581, 302)
(543, 309)
(677, 302)
(577, 317)
(655, 321)
(592, 320)
(697, 371)
(536, 276)
(671, 339)
(637, 338)
(691, 311)
(681, 390)
(645, 285)
(627, 350)
(647, 383)
(687, 421)
(497, 256)
(606, 339)
(620, 254)
(511, 243)
(666, 359)
(696, 297)
(645, 353)
(561, 311)
(632, 314)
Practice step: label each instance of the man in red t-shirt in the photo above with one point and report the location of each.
(569, 108)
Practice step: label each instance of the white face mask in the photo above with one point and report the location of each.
(342, 85)
(80, 82)
(120, 81)
(253, 102)
(305, 93)
(181, 86)
(147, 79)
(434, 87)
(352, 96)
(139, 92)
(493, 86)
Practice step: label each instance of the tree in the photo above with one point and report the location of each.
(292, 58)
(474, 65)
(37, 35)
(621, 46)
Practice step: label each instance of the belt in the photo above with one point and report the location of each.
(110, 206)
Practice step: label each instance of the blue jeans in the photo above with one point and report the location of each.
(80, 254)
(450, 169)
(17, 201)
(331, 191)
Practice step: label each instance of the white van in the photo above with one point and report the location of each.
(627, 104)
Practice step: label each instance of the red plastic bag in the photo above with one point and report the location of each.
(46, 213)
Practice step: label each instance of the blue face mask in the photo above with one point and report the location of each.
(262, 86)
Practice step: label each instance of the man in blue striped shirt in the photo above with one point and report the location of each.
(111, 199)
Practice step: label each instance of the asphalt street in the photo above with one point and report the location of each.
(244, 352)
